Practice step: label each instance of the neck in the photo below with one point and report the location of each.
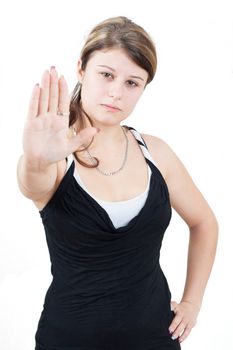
(109, 137)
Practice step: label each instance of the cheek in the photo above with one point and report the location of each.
(90, 93)
(133, 99)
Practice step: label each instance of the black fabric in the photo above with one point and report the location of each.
(108, 290)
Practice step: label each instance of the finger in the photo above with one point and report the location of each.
(53, 93)
(64, 99)
(44, 93)
(83, 137)
(34, 102)
(175, 322)
(185, 334)
(180, 329)
(173, 305)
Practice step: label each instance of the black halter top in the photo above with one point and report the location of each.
(108, 291)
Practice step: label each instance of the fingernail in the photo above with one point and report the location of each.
(52, 67)
(173, 337)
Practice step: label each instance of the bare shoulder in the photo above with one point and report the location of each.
(159, 150)
(185, 197)
(165, 156)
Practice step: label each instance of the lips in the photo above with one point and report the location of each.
(111, 107)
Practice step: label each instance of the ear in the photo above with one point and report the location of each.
(80, 71)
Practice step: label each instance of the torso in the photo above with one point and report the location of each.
(127, 184)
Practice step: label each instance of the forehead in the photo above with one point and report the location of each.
(116, 59)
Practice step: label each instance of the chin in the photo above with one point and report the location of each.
(106, 119)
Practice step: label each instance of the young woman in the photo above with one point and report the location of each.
(105, 192)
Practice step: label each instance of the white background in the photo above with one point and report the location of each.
(189, 105)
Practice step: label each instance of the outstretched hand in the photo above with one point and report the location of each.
(46, 137)
(185, 319)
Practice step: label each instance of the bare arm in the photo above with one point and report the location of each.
(47, 139)
(190, 204)
(34, 182)
(201, 254)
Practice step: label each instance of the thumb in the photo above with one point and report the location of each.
(173, 305)
(83, 137)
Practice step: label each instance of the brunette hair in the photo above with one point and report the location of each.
(117, 32)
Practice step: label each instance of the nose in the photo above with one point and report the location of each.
(115, 90)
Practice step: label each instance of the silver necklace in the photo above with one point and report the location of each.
(123, 164)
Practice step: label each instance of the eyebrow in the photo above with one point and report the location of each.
(112, 69)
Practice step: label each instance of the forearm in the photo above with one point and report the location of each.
(34, 180)
(201, 255)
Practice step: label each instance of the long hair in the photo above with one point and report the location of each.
(117, 32)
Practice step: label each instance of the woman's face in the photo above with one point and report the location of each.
(111, 86)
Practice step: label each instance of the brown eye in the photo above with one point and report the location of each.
(132, 83)
(106, 74)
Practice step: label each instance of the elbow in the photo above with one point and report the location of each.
(209, 223)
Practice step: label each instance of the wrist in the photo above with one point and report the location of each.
(191, 302)
(34, 165)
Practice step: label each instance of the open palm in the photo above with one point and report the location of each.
(46, 136)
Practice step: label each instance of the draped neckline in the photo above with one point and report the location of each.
(135, 220)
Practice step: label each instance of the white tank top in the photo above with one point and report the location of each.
(120, 212)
